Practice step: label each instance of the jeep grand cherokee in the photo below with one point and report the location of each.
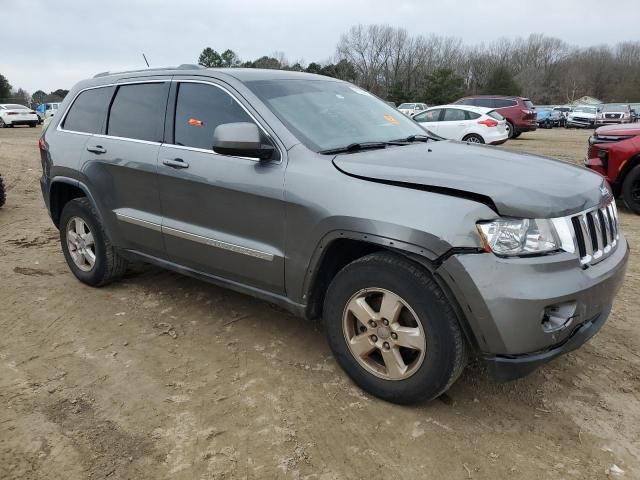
(313, 194)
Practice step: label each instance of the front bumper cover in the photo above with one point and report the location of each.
(507, 302)
(505, 368)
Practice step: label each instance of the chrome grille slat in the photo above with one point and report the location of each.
(596, 233)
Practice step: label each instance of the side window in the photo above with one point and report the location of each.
(88, 111)
(485, 102)
(200, 108)
(502, 103)
(453, 115)
(137, 111)
(471, 115)
(430, 116)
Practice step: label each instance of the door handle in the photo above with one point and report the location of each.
(176, 163)
(97, 149)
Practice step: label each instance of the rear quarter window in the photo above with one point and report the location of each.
(495, 115)
(138, 110)
(88, 111)
(503, 103)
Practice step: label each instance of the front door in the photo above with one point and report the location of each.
(222, 215)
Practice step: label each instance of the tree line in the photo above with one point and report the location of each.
(433, 69)
(10, 95)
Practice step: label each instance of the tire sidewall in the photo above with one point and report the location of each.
(79, 208)
(433, 376)
(630, 179)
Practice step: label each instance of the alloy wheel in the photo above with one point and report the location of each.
(384, 334)
(81, 244)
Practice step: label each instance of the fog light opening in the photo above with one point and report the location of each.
(558, 317)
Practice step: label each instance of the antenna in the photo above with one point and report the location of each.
(145, 59)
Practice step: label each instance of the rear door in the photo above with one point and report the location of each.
(121, 164)
(223, 215)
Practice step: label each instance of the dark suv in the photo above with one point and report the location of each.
(519, 112)
(315, 195)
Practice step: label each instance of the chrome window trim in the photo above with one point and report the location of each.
(182, 147)
(136, 140)
(211, 242)
(228, 92)
(106, 85)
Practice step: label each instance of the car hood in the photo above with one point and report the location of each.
(627, 129)
(512, 183)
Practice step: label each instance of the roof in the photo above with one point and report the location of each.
(471, 108)
(241, 74)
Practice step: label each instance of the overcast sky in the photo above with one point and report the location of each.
(50, 44)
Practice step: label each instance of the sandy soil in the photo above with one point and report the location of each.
(161, 376)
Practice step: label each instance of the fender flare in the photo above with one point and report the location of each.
(81, 186)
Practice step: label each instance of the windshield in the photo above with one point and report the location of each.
(328, 114)
(584, 110)
(614, 107)
(407, 106)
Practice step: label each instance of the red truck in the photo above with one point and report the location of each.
(518, 111)
(614, 151)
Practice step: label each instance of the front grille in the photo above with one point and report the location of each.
(596, 233)
(613, 115)
(581, 119)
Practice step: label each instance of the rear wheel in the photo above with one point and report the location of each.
(2, 124)
(87, 250)
(33, 124)
(516, 134)
(631, 189)
(510, 129)
(392, 329)
(473, 138)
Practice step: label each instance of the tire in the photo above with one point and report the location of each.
(108, 265)
(631, 189)
(510, 129)
(516, 134)
(473, 138)
(2, 124)
(3, 194)
(33, 124)
(427, 374)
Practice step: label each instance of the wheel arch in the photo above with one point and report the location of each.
(339, 248)
(64, 189)
(629, 165)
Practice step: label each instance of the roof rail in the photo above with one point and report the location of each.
(184, 66)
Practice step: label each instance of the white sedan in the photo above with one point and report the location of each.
(14, 114)
(411, 109)
(466, 123)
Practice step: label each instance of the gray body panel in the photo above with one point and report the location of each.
(263, 227)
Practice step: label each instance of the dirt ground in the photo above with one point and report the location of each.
(161, 376)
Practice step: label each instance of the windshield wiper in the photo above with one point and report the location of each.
(415, 138)
(354, 147)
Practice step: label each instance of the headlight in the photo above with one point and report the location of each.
(519, 236)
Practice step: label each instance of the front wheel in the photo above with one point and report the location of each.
(473, 138)
(392, 329)
(631, 189)
(2, 123)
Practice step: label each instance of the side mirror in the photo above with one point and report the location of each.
(241, 139)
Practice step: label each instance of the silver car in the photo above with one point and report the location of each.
(313, 194)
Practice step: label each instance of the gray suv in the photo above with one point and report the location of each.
(315, 195)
